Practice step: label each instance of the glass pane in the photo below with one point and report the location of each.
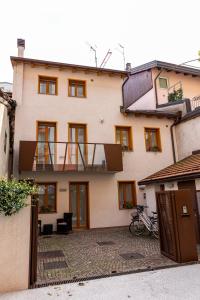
(52, 88)
(72, 90)
(125, 139)
(80, 91)
(73, 196)
(83, 199)
(118, 141)
(41, 197)
(129, 196)
(153, 139)
(51, 138)
(163, 83)
(43, 86)
(121, 196)
(51, 197)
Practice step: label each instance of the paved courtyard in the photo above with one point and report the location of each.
(98, 252)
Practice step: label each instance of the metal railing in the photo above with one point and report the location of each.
(195, 102)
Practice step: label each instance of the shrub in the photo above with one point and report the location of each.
(13, 195)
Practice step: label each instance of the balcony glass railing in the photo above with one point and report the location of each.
(61, 156)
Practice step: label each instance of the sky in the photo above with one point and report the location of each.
(60, 30)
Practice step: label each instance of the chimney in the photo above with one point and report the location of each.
(128, 66)
(21, 47)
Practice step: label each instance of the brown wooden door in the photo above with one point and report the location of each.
(191, 186)
(78, 195)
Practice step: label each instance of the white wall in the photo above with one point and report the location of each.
(4, 127)
(14, 250)
(187, 137)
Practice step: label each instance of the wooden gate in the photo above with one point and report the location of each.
(176, 225)
(33, 243)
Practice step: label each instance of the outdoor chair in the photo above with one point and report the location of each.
(64, 225)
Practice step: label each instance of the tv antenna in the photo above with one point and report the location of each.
(123, 54)
(106, 58)
(95, 52)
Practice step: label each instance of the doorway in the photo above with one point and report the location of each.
(190, 184)
(46, 137)
(78, 138)
(78, 203)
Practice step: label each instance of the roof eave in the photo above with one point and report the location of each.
(15, 59)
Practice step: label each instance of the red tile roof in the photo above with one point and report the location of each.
(189, 166)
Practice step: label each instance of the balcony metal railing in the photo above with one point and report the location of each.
(195, 102)
(69, 157)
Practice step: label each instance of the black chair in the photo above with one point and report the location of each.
(64, 225)
(47, 229)
(39, 227)
(68, 219)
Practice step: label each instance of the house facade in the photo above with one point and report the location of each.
(85, 153)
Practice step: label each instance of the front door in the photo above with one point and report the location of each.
(190, 184)
(46, 132)
(77, 136)
(79, 204)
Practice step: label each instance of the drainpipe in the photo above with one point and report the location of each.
(172, 136)
(155, 86)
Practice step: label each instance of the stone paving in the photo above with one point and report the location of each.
(83, 254)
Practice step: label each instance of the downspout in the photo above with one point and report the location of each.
(155, 86)
(172, 137)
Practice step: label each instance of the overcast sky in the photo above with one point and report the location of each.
(59, 31)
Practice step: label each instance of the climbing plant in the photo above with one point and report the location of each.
(13, 195)
(175, 95)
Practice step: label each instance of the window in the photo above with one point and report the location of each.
(124, 137)
(127, 194)
(5, 142)
(47, 85)
(77, 88)
(163, 83)
(47, 197)
(152, 139)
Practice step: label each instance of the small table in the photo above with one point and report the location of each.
(47, 229)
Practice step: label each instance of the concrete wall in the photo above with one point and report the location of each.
(104, 97)
(4, 128)
(14, 250)
(187, 137)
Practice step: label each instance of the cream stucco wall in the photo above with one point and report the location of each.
(104, 97)
(190, 85)
(14, 250)
(4, 128)
(187, 137)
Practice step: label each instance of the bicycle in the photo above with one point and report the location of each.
(142, 223)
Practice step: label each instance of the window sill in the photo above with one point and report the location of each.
(81, 97)
(126, 208)
(50, 212)
(47, 94)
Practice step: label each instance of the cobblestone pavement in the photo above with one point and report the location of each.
(78, 255)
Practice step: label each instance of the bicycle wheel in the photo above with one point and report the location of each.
(155, 234)
(137, 228)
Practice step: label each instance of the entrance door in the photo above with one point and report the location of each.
(191, 186)
(79, 204)
(46, 132)
(77, 135)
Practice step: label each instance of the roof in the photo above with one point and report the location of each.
(167, 66)
(188, 167)
(153, 113)
(15, 59)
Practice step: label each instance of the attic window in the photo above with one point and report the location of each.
(163, 83)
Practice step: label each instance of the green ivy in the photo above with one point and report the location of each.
(175, 95)
(13, 195)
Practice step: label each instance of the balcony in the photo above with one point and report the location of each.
(37, 156)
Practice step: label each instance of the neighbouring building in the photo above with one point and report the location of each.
(83, 150)
(7, 107)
